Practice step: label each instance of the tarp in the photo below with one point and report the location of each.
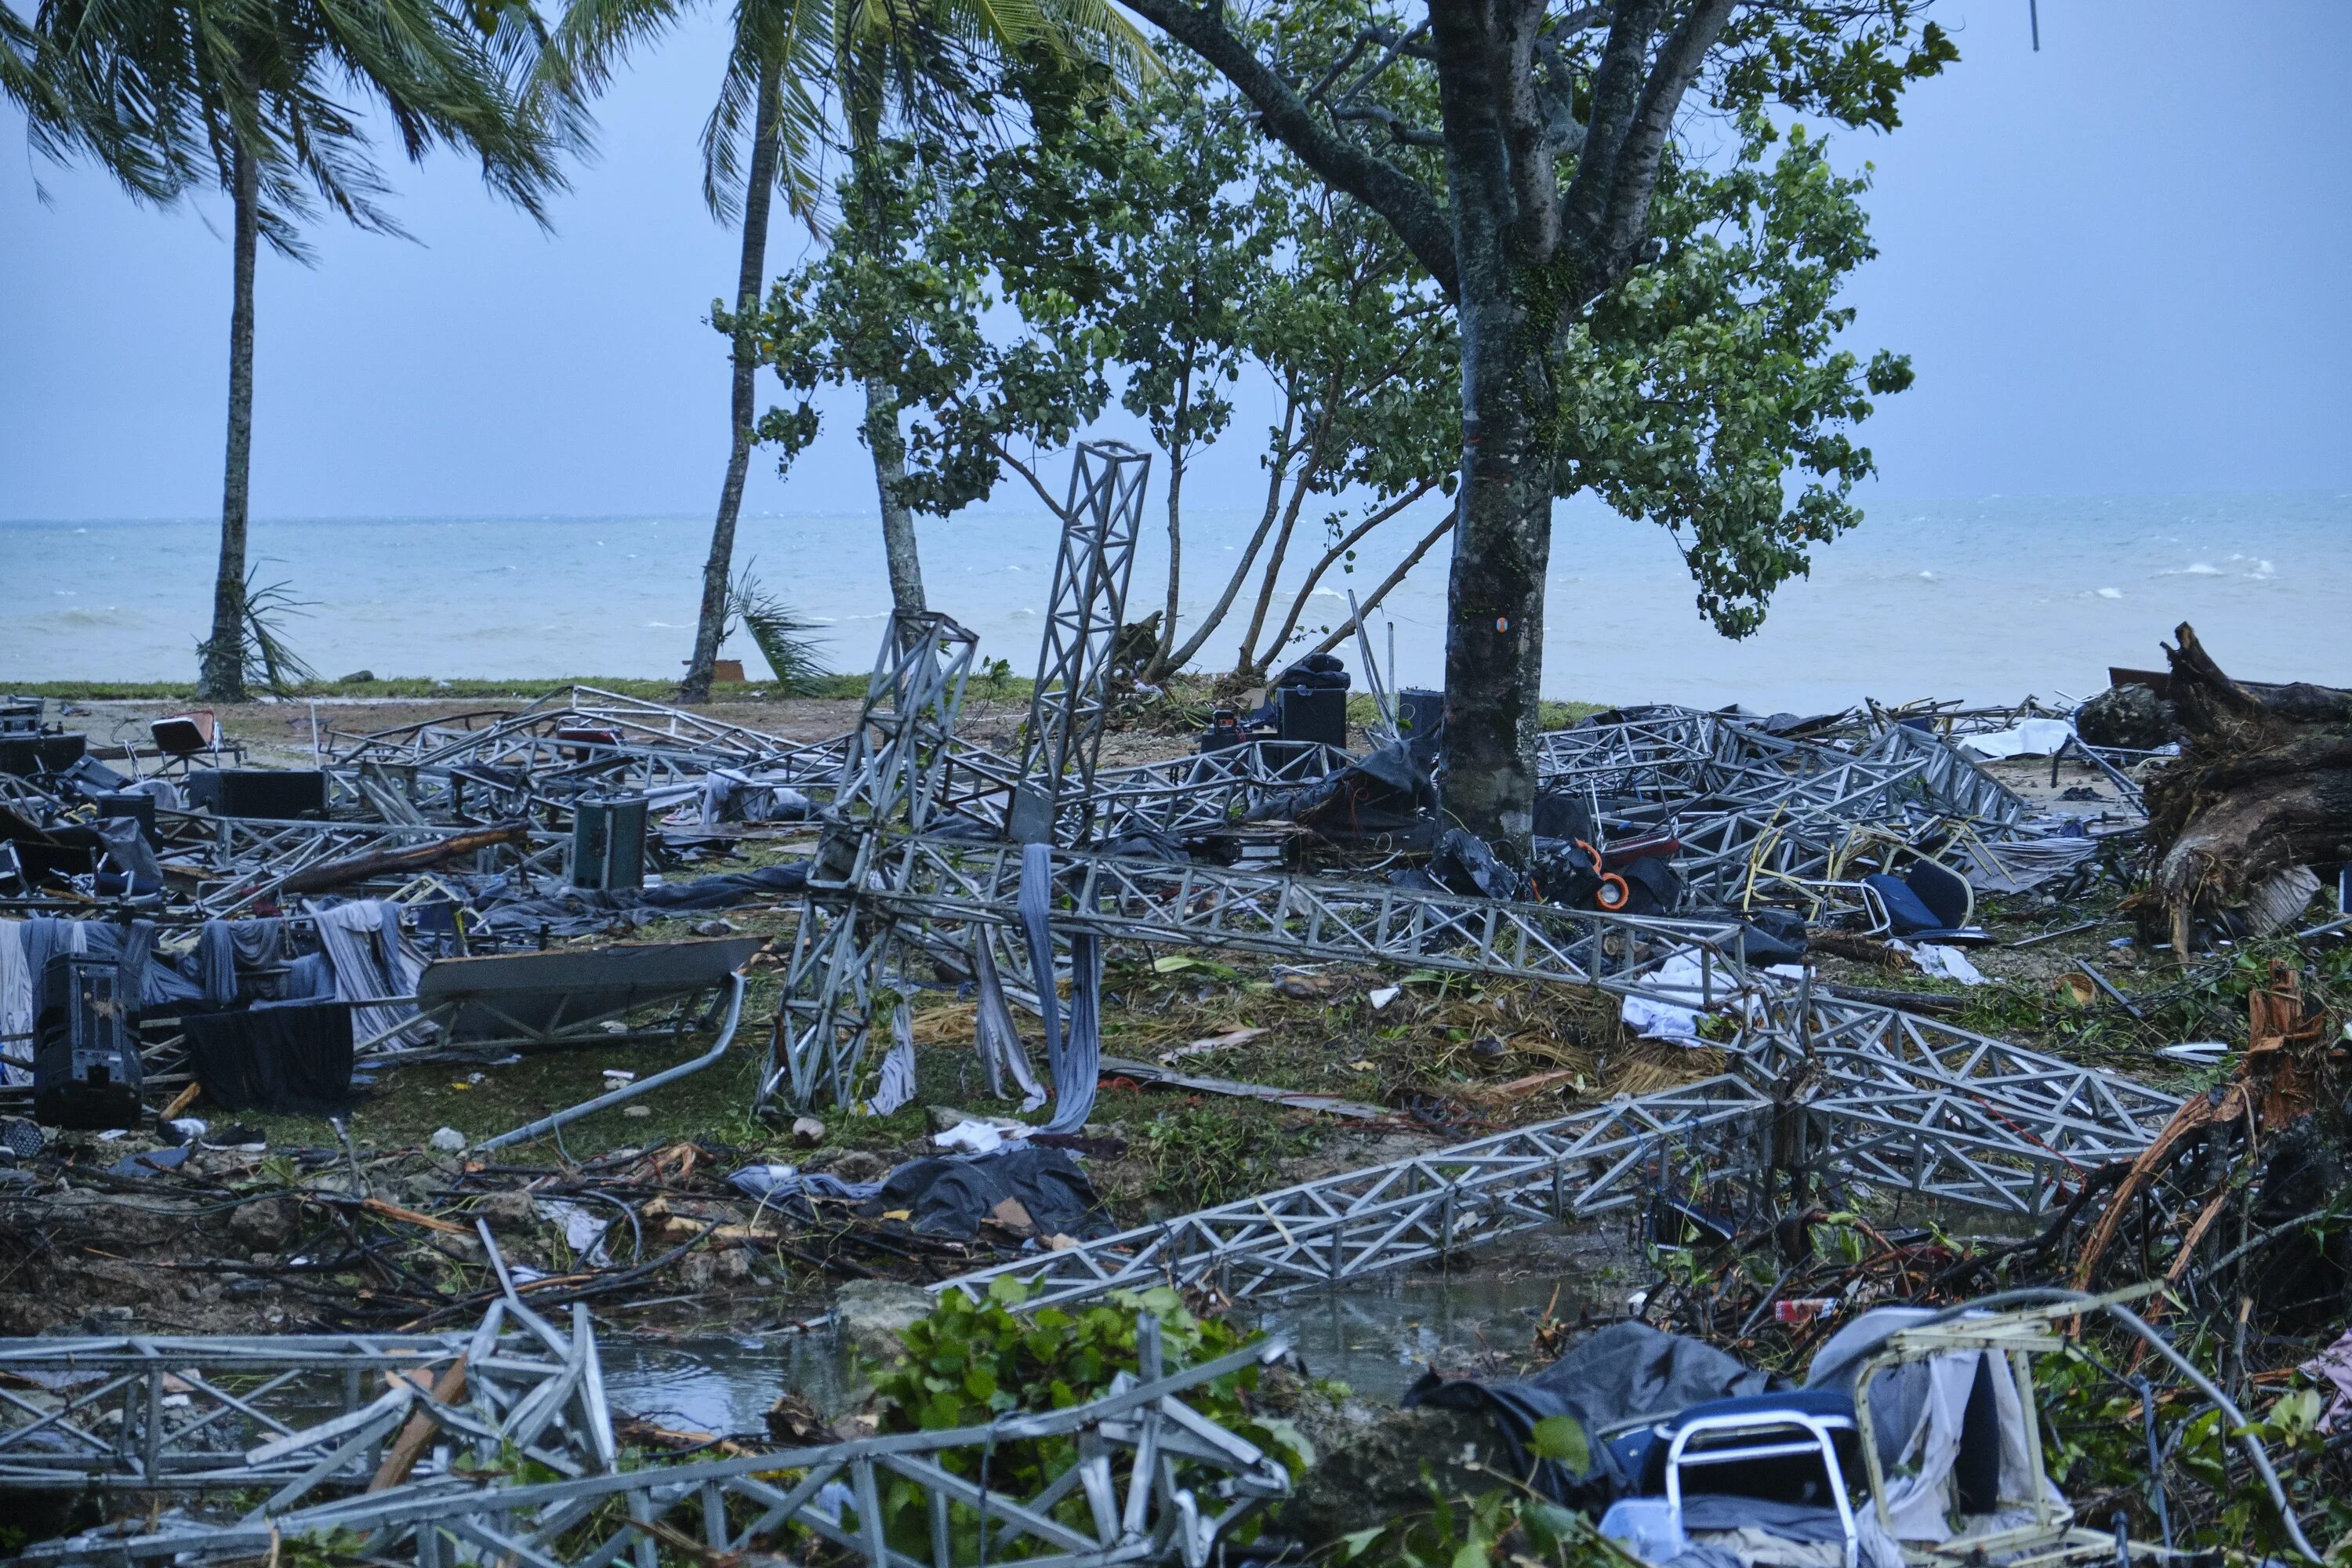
(1613, 1375)
(950, 1197)
(371, 959)
(1950, 1430)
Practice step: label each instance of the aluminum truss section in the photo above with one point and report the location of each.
(249, 859)
(933, 880)
(1182, 796)
(1155, 1483)
(1904, 1103)
(297, 1413)
(894, 763)
(1067, 705)
(1363, 1222)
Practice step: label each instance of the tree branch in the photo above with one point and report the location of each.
(1636, 177)
(1278, 466)
(1616, 94)
(1348, 542)
(1366, 606)
(1409, 205)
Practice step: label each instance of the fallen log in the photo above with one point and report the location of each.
(2261, 792)
(331, 874)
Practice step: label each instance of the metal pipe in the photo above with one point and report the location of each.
(628, 1091)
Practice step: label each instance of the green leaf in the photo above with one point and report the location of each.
(1562, 1440)
(1353, 1544)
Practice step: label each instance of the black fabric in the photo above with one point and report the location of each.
(1654, 886)
(951, 1198)
(1976, 1468)
(1617, 1374)
(1385, 794)
(579, 910)
(287, 1055)
(1461, 863)
(1775, 936)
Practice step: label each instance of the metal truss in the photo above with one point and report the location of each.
(1882, 1102)
(938, 881)
(1763, 818)
(301, 1413)
(1155, 1481)
(249, 859)
(577, 740)
(1362, 1222)
(1181, 796)
(893, 765)
(1067, 704)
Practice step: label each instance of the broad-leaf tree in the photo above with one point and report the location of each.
(1639, 261)
(269, 103)
(806, 79)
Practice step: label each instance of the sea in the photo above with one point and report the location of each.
(1986, 600)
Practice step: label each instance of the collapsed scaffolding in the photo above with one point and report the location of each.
(926, 843)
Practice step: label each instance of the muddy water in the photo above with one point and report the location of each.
(1377, 1337)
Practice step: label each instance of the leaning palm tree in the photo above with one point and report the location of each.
(803, 77)
(252, 96)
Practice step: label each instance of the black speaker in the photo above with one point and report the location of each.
(274, 794)
(136, 805)
(1315, 715)
(86, 1068)
(25, 755)
(1422, 716)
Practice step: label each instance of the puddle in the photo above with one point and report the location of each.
(722, 1384)
(1378, 1338)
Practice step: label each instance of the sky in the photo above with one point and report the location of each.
(2116, 264)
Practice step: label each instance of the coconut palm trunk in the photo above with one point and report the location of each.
(221, 676)
(718, 569)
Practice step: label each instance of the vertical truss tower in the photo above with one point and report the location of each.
(1099, 525)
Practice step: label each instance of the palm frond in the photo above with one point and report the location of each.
(268, 660)
(779, 632)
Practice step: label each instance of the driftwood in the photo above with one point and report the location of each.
(351, 868)
(2261, 789)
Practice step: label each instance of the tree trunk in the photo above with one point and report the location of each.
(221, 673)
(717, 572)
(889, 450)
(1179, 441)
(1502, 545)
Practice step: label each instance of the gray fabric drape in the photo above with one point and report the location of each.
(1072, 1058)
(222, 945)
(1001, 1052)
(371, 959)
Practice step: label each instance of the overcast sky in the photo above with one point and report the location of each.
(2118, 265)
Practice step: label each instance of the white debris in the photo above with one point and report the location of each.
(1937, 959)
(449, 1140)
(1383, 996)
(2029, 738)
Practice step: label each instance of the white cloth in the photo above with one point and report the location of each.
(1657, 1017)
(896, 1086)
(2030, 737)
(1937, 959)
(17, 1004)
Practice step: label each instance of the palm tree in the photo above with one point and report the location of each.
(793, 66)
(243, 94)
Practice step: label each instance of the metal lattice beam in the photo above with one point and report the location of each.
(1067, 704)
(1155, 1481)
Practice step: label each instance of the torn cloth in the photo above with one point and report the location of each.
(373, 959)
(1073, 1058)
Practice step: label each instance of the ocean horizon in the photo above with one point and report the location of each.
(1984, 599)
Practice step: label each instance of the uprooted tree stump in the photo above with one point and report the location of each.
(2261, 793)
(2231, 1199)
